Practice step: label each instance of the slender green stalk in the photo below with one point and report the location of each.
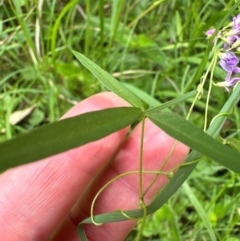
(87, 30)
(154, 5)
(202, 83)
(130, 37)
(38, 28)
(141, 161)
(161, 168)
(101, 19)
(115, 19)
(52, 9)
(214, 61)
(57, 25)
(16, 7)
(141, 195)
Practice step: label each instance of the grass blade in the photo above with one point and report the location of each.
(200, 210)
(57, 24)
(175, 101)
(25, 28)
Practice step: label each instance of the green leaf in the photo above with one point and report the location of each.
(110, 82)
(65, 134)
(192, 136)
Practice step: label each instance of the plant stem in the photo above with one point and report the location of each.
(141, 196)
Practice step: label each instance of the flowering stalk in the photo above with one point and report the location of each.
(230, 35)
(230, 38)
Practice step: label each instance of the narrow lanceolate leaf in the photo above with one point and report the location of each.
(192, 136)
(110, 82)
(65, 134)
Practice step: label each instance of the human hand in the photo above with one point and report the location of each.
(46, 200)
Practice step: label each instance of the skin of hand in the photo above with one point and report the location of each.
(46, 200)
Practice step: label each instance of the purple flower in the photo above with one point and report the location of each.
(228, 83)
(236, 23)
(231, 42)
(232, 35)
(210, 32)
(233, 81)
(229, 61)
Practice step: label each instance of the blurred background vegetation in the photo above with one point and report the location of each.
(155, 48)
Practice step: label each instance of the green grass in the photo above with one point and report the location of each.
(154, 46)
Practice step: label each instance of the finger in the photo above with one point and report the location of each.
(123, 194)
(35, 197)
